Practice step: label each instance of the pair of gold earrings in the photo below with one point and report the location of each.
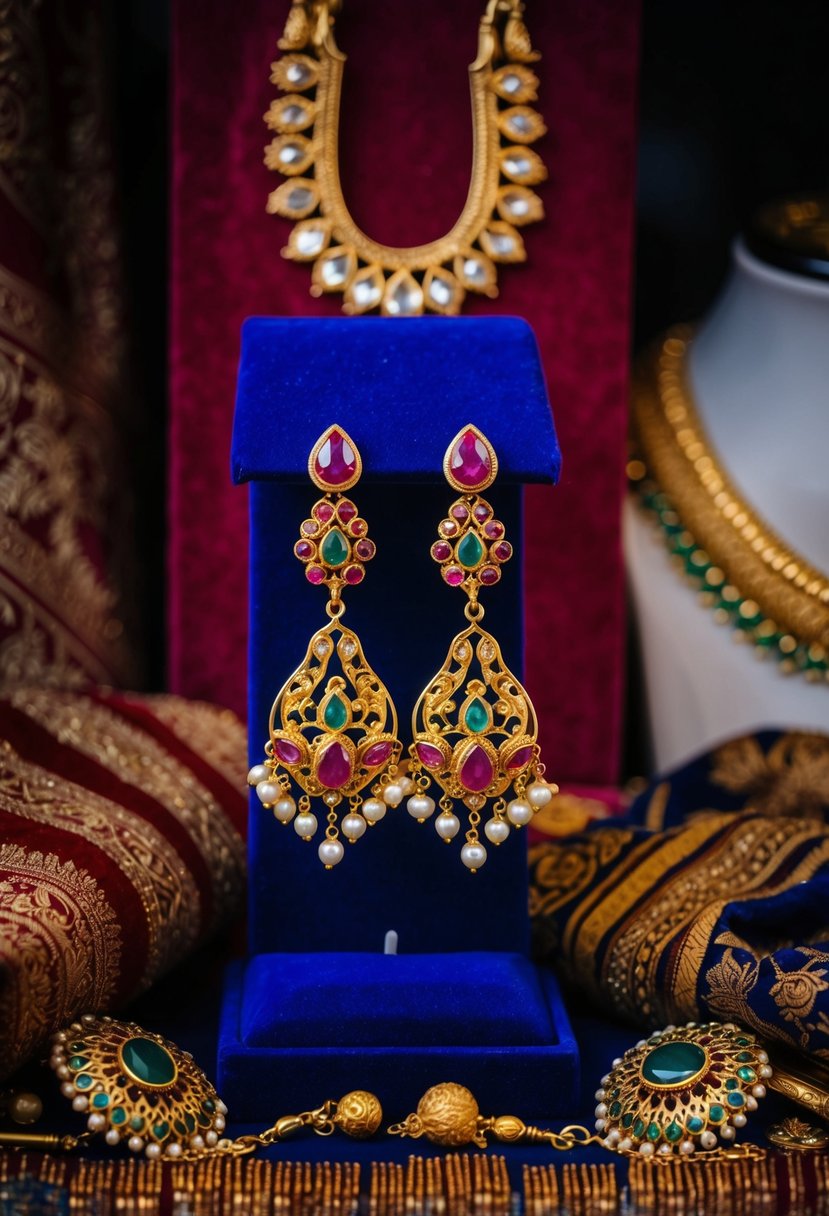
(333, 725)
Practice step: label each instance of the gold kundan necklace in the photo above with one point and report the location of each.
(434, 277)
(745, 572)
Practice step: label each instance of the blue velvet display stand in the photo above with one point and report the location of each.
(316, 1008)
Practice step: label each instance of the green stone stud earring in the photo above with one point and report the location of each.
(682, 1089)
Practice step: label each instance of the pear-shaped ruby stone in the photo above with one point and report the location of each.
(336, 461)
(334, 769)
(378, 753)
(469, 461)
(429, 755)
(476, 770)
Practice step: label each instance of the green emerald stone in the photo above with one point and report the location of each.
(118, 1116)
(745, 1057)
(470, 551)
(148, 1062)
(695, 1124)
(638, 1129)
(83, 1080)
(615, 1109)
(716, 1114)
(180, 1126)
(741, 1042)
(209, 1105)
(160, 1131)
(673, 1132)
(136, 1123)
(78, 1062)
(732, 1083)
(735, 1099)
(190, 1122)
(77, 1046)
(653, 1131)
(203, 1120)
(336, 713)
(746, 1074)
(476, 716)
(672, 1063)
(100, 1100)
(627, 1118)
(334, 549)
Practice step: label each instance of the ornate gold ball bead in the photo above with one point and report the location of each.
(509, 1128)
(448, 1114)
(359, 1114)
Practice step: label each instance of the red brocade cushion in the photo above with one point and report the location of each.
(121, 820)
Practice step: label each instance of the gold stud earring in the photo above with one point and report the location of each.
(333, 725)
(474, 726)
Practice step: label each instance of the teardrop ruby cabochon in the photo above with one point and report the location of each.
(470, 463)
(334, 464)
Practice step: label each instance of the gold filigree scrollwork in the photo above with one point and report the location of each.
(434, 277)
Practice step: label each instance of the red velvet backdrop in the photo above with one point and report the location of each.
(406, 142)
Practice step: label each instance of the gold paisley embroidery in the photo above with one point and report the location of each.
(792, 778)
(136, 758)
(60, 948)
(163, 883)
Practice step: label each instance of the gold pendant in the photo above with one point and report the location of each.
(434, 277)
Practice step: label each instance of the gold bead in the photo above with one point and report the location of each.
(359, 1114)
(448, 1114)
(509, 1128)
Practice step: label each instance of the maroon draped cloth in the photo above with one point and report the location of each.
(405, 152)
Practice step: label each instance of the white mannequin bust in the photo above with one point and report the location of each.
(759, 374)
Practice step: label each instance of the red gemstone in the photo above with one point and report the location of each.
(476, 770)
(448, 528)
(494, 529)
(365, 550)
(489, 575)
(358, 527)
(334, 770)
(469, 461)
(309, 528)
(314, 574)
(287, 752)
(354, 575)
(429, 755)
(460, 512)
(336, 460)
(346, 510)
(453, 575)
(378, 753)
(482, 512)
(323, 511)
(520, 758)
(503, 551)
(441, 551)
(304, 550)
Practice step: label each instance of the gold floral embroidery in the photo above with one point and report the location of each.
(791, 778)
(135, 757)
(60, 948)
(163, 883)
(216, 734)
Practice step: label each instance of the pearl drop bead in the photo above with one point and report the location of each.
(406, 784)
(330, 852)
(759, 1091)
(373, 810)
(220, 1107)
(751, 1103)
(626, 1144)
(600, 1095)
(219, 1121)
(708, 1140)
(740, 1120)
(601, 1110)
(112, 1136)
(174, 1149)
(80, 1102)
(268, 792)
(353, 826)
(259, 772)
(284, 809)
(727, 1132)
(135, 1144)
(67, 1089)
(210, 1139)
(762, 1057)
(539, 794)
(496, 830)
(305, 825)
(519, 812)
(687, 1147)
(63, 1072)
(447, 826)
(646, 1149)
(420, 807)
(153, 1150)
(95, 1122)
(393, 794)
(613, 1138)
(600, 1125)
(765, 1071)
(473, 856)
(197, 1142)
(664, 1150)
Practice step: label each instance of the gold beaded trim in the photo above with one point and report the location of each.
(743, 569)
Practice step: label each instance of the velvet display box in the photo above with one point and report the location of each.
(316, 1000)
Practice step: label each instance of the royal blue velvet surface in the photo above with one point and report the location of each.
(402, 390)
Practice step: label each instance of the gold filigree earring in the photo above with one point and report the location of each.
(333, 725)
(474, 726)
